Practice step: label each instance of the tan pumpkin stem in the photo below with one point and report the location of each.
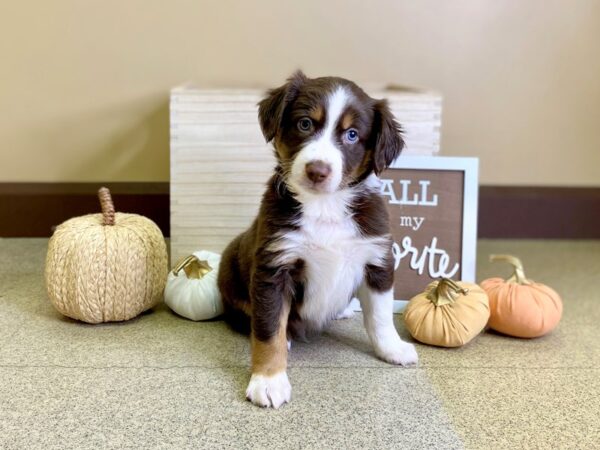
(107, 205)
(193, 267)
(519, 273)
(446, 291)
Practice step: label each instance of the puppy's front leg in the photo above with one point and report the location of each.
(269, 385)
(376, 297)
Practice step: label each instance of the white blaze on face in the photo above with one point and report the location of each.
(323, 147)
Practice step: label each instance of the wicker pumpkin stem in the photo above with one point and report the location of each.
(193, 267)
(519, 273)
(446, 291)
(107, 205)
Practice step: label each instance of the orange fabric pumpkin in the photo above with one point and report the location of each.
(448, 314)
(520, 307)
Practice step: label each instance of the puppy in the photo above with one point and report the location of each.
(322, 233)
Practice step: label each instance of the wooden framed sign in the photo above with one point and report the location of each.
(432, 202)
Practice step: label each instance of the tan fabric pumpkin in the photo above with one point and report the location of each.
(520, 307)
(106, 267)
(447, 314)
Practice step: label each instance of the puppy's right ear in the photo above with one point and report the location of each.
(272, 107)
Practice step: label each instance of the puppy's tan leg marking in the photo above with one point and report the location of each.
(270, 357)
(269, 385)
(243, 306)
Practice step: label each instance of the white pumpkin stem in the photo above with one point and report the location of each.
(107, 205)
(446, 292)
(519, 273)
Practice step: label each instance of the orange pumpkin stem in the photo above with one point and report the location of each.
(518, 274)
(107, 205)
(446, 291)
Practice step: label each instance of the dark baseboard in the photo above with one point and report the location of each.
(539, 212)
(33, 209)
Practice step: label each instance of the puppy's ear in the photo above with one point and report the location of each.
(387, 139)
(272, 107)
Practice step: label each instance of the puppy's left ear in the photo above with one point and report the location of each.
(387, 139)
(272, 107)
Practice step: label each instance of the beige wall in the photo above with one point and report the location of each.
(83, 84)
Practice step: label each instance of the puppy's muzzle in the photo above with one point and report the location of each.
(317, 171)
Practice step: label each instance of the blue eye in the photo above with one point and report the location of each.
(305, 124)
(351, 136)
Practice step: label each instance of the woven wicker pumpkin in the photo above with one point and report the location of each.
(106, 267)
(521, 307)
(447, 314)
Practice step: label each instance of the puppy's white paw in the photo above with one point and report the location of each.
(269, 391)
(401, 353)
(347, 313)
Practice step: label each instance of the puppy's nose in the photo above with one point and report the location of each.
(317, 171)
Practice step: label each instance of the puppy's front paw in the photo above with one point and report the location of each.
(401, 353)
(269, 391)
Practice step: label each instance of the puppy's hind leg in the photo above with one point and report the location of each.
(347, 313)
(234, 291)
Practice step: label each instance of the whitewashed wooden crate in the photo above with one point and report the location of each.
(220, 161)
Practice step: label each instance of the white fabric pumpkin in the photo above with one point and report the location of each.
(192, 290)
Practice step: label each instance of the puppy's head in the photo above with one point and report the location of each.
(327, 133)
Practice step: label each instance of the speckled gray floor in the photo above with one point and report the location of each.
(160, 381)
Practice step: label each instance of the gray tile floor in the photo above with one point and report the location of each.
(160, 381)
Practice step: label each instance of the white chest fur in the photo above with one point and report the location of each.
(334, 253)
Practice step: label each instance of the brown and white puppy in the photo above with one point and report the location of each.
(322, 234)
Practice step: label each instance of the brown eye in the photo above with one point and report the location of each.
(305, 124)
